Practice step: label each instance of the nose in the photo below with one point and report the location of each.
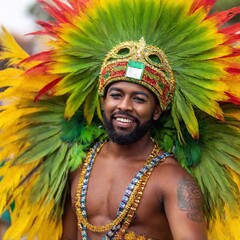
(125, 104)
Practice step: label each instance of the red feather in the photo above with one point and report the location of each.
(42, 56)
(233, 33)
(235, 53)
(233, 39)
(233, 71)
(39, 69)
(207, 4)
(62, 6)
(47, 88)
(233, 99)
(61, 13)
(54, 12)
(41, 32)
(65, 8)
(48, 27)
(79, 5)
(224, 16)
(234, 29)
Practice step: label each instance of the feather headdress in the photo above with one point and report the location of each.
(51, 111)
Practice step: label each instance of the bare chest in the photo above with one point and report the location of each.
(108, 188)
(105, 192)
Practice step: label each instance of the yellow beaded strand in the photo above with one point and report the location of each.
(133, 209)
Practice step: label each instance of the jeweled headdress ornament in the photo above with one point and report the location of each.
(136, 62)
(51, 111)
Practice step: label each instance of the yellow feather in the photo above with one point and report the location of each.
(38, 221)
(11, 48)
(225, 229)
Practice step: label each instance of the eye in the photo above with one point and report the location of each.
(139, 99)
(115, 95)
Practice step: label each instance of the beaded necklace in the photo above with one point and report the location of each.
(129, 201)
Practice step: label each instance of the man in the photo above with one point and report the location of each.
(171, 205)
(163, 69)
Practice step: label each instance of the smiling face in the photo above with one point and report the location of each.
(129, 111)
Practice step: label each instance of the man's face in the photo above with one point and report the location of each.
(129, 111)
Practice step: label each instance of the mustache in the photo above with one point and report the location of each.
(126, 114)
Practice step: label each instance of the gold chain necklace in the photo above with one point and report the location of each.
(133, 209)
(82, 220)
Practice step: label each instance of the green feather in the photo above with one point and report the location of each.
(203, 103)
(187, 113)
(38, 151)
(76, 99)
(71, 129)
(59, 174)
(90, 105)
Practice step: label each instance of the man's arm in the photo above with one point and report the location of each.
(184, 205)
(69, 222)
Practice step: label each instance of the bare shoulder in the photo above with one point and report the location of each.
(170, 169)
(178, 188)
(179, 194)
(174, 179)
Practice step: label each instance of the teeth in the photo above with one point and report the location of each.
(125, 120)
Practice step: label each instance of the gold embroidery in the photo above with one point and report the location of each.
(133, 236)
(157, 76)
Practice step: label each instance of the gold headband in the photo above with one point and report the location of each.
(142, 64)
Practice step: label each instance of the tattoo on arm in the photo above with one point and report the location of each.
(190, 199)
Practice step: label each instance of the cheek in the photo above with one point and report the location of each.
(110, 103)
(151, 112)
(146, 113)
(108, 106)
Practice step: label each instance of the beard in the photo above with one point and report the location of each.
(124, 139)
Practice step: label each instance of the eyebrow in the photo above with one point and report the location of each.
(134, 92)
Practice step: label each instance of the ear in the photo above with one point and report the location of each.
(157, 112)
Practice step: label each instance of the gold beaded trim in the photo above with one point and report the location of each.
(133, 236)
(134, 206)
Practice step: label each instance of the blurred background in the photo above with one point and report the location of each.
(19, 18)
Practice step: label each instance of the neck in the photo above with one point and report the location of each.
(142, 148)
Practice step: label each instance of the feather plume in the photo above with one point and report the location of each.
(51, 112)
(11, 50)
